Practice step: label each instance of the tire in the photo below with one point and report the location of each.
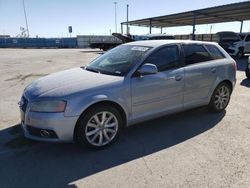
(220, 98)
(247, 73)
(99, 127)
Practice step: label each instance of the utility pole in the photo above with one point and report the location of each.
(115, 17)
(127, 20)
(26, 21)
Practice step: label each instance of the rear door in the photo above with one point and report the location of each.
(200, 74)
(161, 92)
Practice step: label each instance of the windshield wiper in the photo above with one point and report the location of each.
(91, 69)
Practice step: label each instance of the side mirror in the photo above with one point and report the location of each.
(147, 69)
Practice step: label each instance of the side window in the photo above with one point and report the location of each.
(165, 58)
(195, 54)
(248, 38)
(215, 52)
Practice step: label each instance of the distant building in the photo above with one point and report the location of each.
(4, 36)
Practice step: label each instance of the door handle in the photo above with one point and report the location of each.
(178, 78)
(213, 70)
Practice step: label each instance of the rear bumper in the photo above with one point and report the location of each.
(51, 127)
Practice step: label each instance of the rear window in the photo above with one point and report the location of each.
(195, 54)
(215, 52)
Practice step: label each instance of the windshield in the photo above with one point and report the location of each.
(117, 61)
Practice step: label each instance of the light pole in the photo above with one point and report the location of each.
(26, 21)
(115, 17)
(127, 20)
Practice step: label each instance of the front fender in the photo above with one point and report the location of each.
(79, 104)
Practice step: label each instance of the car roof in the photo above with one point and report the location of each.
(156, 35)
(157, 43)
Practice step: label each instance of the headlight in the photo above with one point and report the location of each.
(48, 106)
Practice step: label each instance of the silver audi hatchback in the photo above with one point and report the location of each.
(131, 83)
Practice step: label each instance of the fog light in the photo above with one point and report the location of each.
(44, 133)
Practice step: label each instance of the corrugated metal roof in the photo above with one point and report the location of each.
(225, 13)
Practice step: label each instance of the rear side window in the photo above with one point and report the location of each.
(215, 52)
(195, 54)
(165, 58)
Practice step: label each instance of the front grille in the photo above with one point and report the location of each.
(24, 104)
(37, 132)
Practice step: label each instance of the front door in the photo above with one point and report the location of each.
(161, 92)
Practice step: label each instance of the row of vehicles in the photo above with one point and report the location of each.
(237, 45)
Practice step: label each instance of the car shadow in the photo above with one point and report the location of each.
(245, 82)
(242, 63)
(38, 164)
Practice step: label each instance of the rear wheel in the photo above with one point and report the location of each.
(99, 127)
(220, 97)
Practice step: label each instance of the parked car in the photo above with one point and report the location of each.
(128, 38)
(235, 44)
(131, 83)
(248, 68)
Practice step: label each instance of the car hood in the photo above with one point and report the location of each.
(69, 82)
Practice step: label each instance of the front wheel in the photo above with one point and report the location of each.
(99, 127)
(220, 97)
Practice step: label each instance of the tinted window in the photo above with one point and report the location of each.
(165, 58)
(248, 38)
(215, 52)
(195, 54)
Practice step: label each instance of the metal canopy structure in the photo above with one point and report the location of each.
(225, 13)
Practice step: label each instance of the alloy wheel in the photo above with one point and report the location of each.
(222, 97)
(101, 128)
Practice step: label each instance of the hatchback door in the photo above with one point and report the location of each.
(162, 92)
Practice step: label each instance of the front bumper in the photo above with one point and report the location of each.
(57, 127)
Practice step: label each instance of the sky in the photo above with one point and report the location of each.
(51, 18)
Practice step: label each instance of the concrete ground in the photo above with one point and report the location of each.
(190, 149)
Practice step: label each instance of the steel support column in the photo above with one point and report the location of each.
(161, 30)
(241, 26)
(194, 23)
(121, 28)
(127, 20)
(150, 26)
